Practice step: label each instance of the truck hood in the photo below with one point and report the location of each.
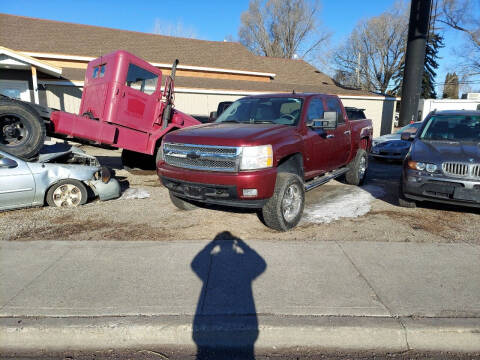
(229, 134)
(439, 151)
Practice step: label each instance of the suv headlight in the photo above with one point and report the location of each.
(421, 166)
(256, 157)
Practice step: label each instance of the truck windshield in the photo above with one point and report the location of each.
(274, 110)
(452, 128)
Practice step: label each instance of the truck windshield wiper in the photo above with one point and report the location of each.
(231, 121)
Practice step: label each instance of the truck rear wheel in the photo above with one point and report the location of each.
(357, 169)
(22, 130)
(181, 204)
(284, 209)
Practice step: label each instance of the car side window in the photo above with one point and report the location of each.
(315, 110)
(334, 105)
(141, 79)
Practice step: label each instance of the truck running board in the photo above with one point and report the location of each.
(312, 184)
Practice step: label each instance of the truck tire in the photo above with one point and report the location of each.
(67, 193)
(357, 169)
(284, 209)
(402, 200)
(181, 204)
(22, 130)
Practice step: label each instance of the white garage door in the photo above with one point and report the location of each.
(16, 89)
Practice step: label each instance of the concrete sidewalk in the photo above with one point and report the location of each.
(59, 295)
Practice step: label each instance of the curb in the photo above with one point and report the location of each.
(24, 334)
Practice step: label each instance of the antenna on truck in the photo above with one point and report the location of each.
(168, 94)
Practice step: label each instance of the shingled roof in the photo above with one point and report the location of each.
(45, 36)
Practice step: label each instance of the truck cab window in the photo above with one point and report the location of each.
(141, 79)
(315, 110)
(334, 105)
(102, 70)
(95, 72)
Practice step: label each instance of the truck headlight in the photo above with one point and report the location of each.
(256, 157)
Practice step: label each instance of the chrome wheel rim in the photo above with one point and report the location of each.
(362, 167)
(291, 202)
(67, 195)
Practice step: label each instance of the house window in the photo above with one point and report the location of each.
(141, 79)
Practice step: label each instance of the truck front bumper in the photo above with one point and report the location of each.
(219, 188)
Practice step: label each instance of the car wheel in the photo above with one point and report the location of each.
(67, 193)
(402, 200)
(284, 209)
(357, 169)
(181, 204)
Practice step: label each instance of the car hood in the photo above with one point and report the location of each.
(388, 137)
(394, 144)
(229, 134)
(439, 151)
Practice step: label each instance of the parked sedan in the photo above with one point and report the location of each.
(443, 164)
(58, 178)
(391, 146)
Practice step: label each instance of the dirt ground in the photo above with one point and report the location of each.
(334, 211)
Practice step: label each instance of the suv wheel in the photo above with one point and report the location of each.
(357, 169)
(181, 204)
(402, 200)
(285, 208)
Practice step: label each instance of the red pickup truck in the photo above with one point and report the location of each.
(264, 152)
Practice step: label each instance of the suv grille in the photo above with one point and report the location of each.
(202, 157)
(461, 169)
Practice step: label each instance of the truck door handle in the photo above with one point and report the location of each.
(330, 136)
(347, 132)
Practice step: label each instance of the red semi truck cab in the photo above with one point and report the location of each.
(264, 152)
(123, 105)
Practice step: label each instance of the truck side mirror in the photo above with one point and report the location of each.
(8, 163)
(329, 121)
(212, 117)
(407, 136)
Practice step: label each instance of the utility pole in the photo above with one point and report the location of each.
(414, 60)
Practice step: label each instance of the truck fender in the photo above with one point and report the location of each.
(157, 136)
(292, 163)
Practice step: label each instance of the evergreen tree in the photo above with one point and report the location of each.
(451, 86)
(434, 44)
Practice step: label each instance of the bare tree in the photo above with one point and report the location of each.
(375, 49)
(464, 16)
(177, 29)
(282, 28)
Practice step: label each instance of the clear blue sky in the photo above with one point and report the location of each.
(208, 19)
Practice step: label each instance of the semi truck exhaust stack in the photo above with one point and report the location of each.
(168, 93)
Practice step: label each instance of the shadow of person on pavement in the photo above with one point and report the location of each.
(225, 323)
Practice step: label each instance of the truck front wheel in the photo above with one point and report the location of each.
(22, 130)
(181, 204)
(284, 209)
(357, 169)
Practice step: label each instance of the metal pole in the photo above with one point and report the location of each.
(414, 60)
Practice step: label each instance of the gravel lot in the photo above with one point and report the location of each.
(334, 211)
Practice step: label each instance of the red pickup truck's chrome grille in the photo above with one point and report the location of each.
(202, 157)
(461, 169)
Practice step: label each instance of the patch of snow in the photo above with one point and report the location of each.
(348, 204)
(134, 193)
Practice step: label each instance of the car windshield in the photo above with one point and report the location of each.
(411, 128)
(275, 110)
(452, 128)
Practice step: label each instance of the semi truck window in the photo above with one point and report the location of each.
(141, 79)
(95, 72)
(333, 105)
(315, 110)
(102, 70)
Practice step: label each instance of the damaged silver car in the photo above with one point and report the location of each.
(60, 176)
